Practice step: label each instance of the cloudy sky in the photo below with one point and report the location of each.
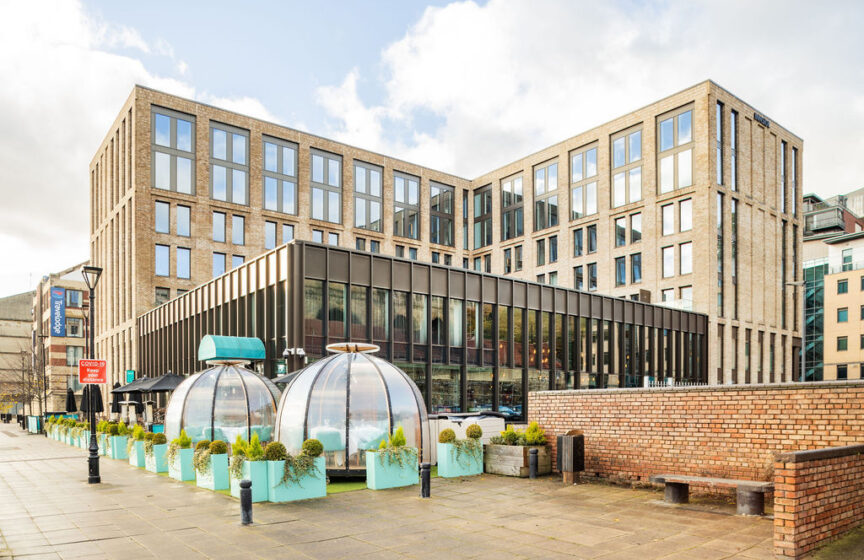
(463, 87)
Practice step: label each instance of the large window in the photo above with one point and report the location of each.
(583, 182)
(173, 143)
(483, 217)
(668, 262)
(793, 184)
(219, 227)
(280, 176)
(512, 210)
(578, 242)
(621, 231)
(635, 228)
(162, 217)
(73, 355)
(441, 214)
(626, 167)
(591, 231)
(184, 228)
(620, 271)
(74, 327)
(229, 164)
(218, 264)
(269, 235)
(592, 277)
(685, 215)
(406, 206)
(636, 268)
(545, 196)
(326, 187)
(718, 142)
(733, 151)
(668, 213)
(238, 230)
(686, 258)
(75, 297)
(367, 197)
(184, 262)
(513, 259)
(163, 264)
(675, 153)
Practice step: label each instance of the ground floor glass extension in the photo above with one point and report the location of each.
(471, 341)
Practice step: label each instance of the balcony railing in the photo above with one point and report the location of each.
(831, 218)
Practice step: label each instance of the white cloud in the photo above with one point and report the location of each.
(511, 77)
(63, 84)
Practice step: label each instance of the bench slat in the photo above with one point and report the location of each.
(752, 485)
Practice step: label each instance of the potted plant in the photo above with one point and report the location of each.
(508, 453)
(460, 457)
(394, 464)
(179, 458)
(102, 436)
(211, 465)
(155, 449)
(296, 477)
(49, 426)
(247, 461)
(119, 438)
(135, 447)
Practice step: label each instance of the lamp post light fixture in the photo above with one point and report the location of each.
(91, 278)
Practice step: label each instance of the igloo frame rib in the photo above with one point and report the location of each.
(351, 401)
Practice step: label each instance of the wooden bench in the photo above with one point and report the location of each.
(750, 494)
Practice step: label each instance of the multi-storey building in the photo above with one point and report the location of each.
(693, 201)
(16, 363)
(829, 217)
(59, 333)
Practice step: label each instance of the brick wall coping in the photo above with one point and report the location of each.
(797, 385)
(820, 454)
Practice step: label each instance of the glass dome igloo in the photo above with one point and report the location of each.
(350, 402)
(226, 399)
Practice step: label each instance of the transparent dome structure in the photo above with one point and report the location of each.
(350, 402)
(222, 402)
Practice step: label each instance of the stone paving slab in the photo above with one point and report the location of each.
(47, 510)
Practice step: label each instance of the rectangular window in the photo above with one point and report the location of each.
(793, 183)
(184, 228)
(842, 287)
(184, 262)
(545, 196)
(73, 355)
(162, 295)
(269, 235)
(512, 209)
(846, 255)
(676, 150)
(75, 297)
(219, 227)
(541, 252)
(578, 243)
(441, 214)
(287, 233)
(333, 239)
(668, 262)
(592, 238)
(74, 327)
(318, 236)
(685, 215)
(636, 268)
(163, 266)
(842, 371)
(406, 206)
(668, 211)
(400, 251)
(635, 228)
(218, 264)
(553, 278)
(508, 261)
(718, 142)
(478, 264)
(238, 230)
(517, 258)
(578, 278)
(720, 249)
(627, 166)
(326, 187)
(843, 315)
(620, 231)
(412, 253)
(360, 244)
(419, 312)
(374, 246)
(236, 260)
(592, 277)
(783, 176)
(173, 153)
(483, 217)
(686, 258)
(541, 278)
(280, 176)
(620, 271)
(583, 182)
(842, 343)
(163, 217)
(553, 249)
(229, 164)
(367, 197)
(667, 295)
(733, 153)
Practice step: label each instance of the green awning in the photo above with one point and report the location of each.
(213, 347)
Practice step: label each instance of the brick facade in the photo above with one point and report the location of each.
(728, 431)
(819, 495)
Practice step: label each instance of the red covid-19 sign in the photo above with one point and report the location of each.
(92, 371)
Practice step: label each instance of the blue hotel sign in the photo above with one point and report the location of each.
(58, 312)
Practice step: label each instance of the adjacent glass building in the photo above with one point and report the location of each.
(470, 341)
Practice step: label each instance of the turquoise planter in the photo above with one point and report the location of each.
(33, 424)
(69, 437)
(311, 485)
(451, 463)
(136, 454)
(85, 440)
(182, 467)
(381, 474)
(155, 461)
(256, 471)
(118, 447)
(216, 477)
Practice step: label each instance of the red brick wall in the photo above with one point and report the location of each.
(817, 496)
(723, 431)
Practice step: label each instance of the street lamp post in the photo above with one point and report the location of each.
(42, 338)
(91, 278)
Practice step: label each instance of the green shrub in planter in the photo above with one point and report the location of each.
(211, 466)
(179, 458)
(248, 462)
(117, 442)
(135, 447)
(460, 457)
(299, 477)
(393, 464)
(155, 449)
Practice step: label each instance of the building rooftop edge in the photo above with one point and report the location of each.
(796, 385)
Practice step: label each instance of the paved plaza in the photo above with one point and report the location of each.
(47, 510)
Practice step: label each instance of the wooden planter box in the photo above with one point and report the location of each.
(512, 460)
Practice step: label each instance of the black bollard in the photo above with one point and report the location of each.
(532, 463)
(425, 480)
(246, 502)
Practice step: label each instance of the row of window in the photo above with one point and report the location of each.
(843, 286)
(843, 314)
(843, 343)
(843, 370)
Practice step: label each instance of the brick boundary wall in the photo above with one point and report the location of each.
(818, 496)
(720, 431)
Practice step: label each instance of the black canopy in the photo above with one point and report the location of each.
(115, 400)
(136, 385)
(164, 384)
(70, 401)
(91, 394)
